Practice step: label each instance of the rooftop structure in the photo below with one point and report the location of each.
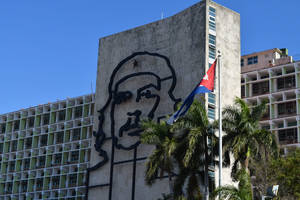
(45, 150)
(273, 76)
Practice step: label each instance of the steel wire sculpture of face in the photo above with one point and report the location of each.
(136, 88)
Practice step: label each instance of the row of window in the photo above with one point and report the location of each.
(260, 88)
(212, 18)
(212, 38)
(288, 136)
(212, 55)
(250, 60)
(72, 180)
(28, 143)
(43, 120)
(40, 162)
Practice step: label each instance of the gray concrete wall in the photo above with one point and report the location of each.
(228, 42)
(181, 38)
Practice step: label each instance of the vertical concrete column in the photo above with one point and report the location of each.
(271, 87)
(270, 106)
(296, 76)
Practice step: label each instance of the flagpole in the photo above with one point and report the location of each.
(220, 119)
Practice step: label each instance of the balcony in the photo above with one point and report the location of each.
(287, 109)
(286, 83)
(260, 88)
(288, 136)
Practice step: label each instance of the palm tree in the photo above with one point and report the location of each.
(243, 192)
(244, 136)
(192, 152)
(161, 160)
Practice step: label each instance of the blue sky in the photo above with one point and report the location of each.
(48, 49)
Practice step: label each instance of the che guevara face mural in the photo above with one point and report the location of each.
(138, 86)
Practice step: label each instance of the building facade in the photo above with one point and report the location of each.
(45, 150)
(65, 150)
(142, 74)
(274, 77)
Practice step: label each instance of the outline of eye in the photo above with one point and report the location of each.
(121, 97)
(145, 93)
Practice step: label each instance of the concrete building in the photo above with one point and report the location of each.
(48, 151)
(142, 74)
(273, 76)
(45, 150)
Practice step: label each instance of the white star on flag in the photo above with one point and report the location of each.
(205, 77)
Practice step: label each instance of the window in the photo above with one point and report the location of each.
(73, 180)
(26, 164)
(212, 20)
(12, 166)
(211, 112)
(286, 82)
(294, 123)
(212, 39)
(57, 159)
(242, 62)
(260, 88)
(24, 186)
(76, 134)
(3, 126)
(61, 115)
(266, 115)
(14, 145)
(212, 25)
(243, 91)
(46, 118)
(44, 139)
(55, 182)
(9, 188)
(31, 122)
(211, 98)
(291, 107)
(28, 143)
(287, 108)
(212, 11)
(39, 184)
(59, 137)
(16, 125)
(1, 147)
(252, 60)
(212, 52)
(287, 136)
(74, 156)
(42, 161)
(78, 111)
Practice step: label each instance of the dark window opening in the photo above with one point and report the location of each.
(44, 139)
(62, 115)
(286, 82)
(78, 111)
(31, 122)
(16, 125)
(260, 88)
(288, 108)
(76, 134)
(288, 136)
(46, 118)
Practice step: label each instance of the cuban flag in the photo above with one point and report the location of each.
(206, 85)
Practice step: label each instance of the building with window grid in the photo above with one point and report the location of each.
(45, 150)
(273, 76)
